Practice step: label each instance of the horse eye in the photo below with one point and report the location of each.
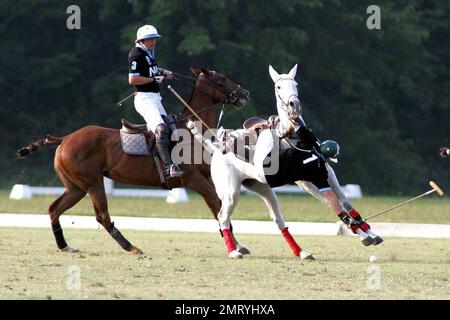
(278, 87)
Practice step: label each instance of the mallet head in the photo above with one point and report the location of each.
(436, 188)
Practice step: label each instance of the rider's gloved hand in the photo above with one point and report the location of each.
(158, 79)
(273, 121)
(168, 74)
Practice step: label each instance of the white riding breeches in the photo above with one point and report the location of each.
(149, 106)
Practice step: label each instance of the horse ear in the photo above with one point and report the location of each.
(196, 71)
(293, 72)
(273, 74)
(205, 71)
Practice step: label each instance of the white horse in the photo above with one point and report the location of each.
(290, 119)
(229, 172)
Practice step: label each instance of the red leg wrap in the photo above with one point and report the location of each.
(355, 215)
(291, 241)
(228, 240)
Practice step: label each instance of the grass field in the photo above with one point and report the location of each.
(431, 209)
(195, 266)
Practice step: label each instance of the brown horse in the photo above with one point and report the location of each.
(85, 156)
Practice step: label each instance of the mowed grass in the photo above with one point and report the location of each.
(431, 209)
(195, 266)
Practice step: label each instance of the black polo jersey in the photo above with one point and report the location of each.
(141, 63)
(297, 165)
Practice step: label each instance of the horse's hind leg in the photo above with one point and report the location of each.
(67, 200)
(229, 202)
(272, 203)
(228, 192)
(98, 197)
(205, 187)
(239, 247)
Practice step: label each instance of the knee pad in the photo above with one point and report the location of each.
(162, 132)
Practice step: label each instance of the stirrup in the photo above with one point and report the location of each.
(174, 171)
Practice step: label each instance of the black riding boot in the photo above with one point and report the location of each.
(162, 146)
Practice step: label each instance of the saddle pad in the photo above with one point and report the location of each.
(134, 144)
(241, 142)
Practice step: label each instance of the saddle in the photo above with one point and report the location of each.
(242, 142)
(138, 141)
(255, 123)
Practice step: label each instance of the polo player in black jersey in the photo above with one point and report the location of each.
(145, 76)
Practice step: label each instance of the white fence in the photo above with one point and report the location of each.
(22, 191)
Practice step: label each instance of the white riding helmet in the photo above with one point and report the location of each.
(147, 32)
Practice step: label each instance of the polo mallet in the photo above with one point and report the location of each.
(119, 104)
(433, 185)
(187, 106)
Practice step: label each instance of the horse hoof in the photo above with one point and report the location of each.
(306, 256)
(235, 255)
(241, 249)
(70, 249)
(377, 240)
(135, 250)
(367, 241)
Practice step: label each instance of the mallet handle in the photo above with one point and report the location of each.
(400, 204)
(120, 102)
(188, 106)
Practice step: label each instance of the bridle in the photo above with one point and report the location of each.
(230, 94)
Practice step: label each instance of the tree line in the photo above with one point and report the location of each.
(383, 94)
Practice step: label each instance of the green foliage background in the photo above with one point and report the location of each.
(382, 94)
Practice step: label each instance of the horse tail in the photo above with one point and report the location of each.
(207, 144)
(23, 152)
